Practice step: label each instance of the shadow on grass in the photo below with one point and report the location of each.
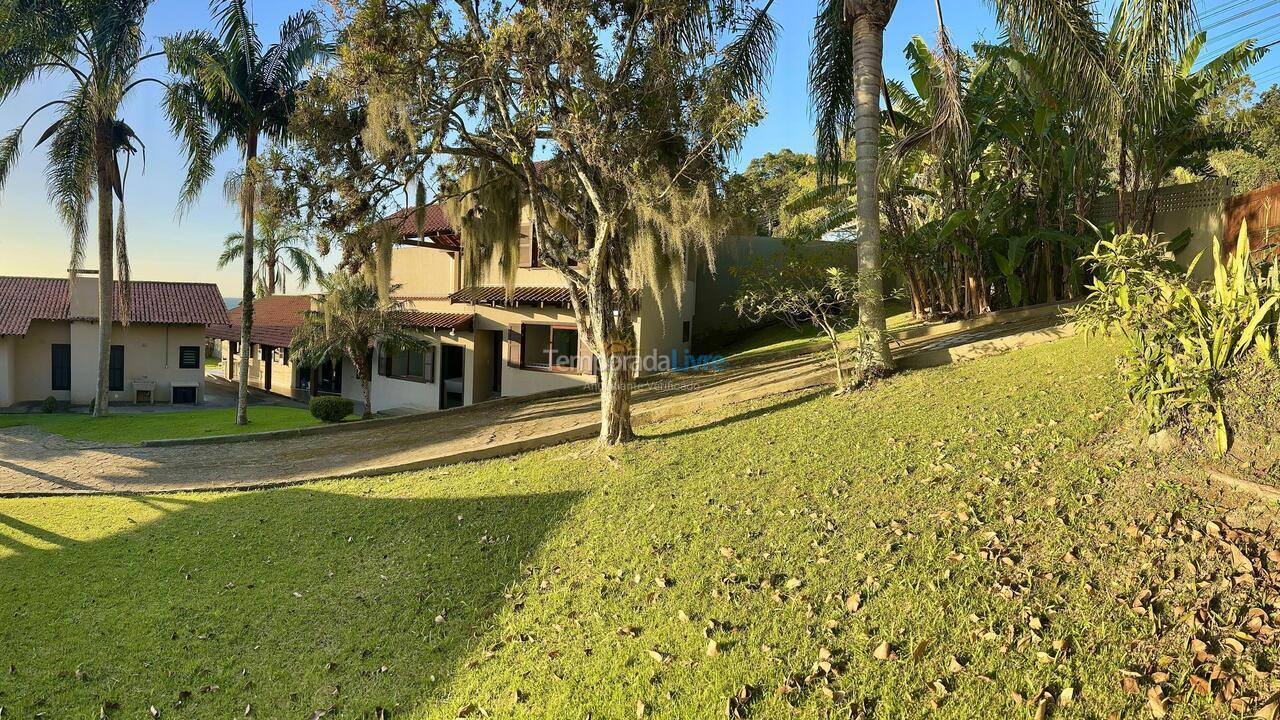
(771, 405)
(286, 602)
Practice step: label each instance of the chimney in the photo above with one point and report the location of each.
(84, 293)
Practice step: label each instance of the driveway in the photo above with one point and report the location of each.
(34, 462)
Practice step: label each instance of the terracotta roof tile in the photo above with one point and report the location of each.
(437, 321)
(527, 295)
(435, 227)
(274, 319)
(23, 299)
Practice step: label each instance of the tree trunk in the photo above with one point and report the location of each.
(106, 266)
(368, 404)
(270, 262)
(616, 383)
(868, 51)
(247, 201)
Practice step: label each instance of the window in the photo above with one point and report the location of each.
(416, 365)
(553, 347)
(686, 330)
(188, 357)
(61, 367)
(115, 375)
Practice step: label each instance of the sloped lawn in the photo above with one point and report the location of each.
(137, 427)
(958, 543)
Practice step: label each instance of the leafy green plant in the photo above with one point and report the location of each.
(331, 409)
(803, 288)
(50, 405)
(1186, 338)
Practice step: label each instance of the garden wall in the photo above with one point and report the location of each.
(1198, 206)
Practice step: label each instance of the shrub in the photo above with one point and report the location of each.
(799, 289)
(50, 404)
(331, 409)
(1186, 339)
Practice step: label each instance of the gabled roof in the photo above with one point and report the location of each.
(274, 319)
(24, 299)
(524, 295)
(435, 231)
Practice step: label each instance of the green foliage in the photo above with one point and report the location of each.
(330, 409)
(762, 195)
(1186, 340)
(354, 317)
(802, 288)
(282, 250)
(50, 405)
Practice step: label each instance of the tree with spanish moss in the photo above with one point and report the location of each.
(633, 106)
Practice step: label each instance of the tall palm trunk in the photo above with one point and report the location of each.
(106, 260)
(868, 51)
(248, 198)
(269, 267)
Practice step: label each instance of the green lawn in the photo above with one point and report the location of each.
(777, 336)
(977, 519)
(136, 427)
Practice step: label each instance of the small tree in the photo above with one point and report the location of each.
(815, 289)
(352, 320)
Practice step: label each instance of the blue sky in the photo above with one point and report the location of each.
(164, 247)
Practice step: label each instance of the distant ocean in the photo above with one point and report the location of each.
(231, 302)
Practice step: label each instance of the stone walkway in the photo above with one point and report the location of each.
(34, 462)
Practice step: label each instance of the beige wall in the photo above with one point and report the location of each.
(33, 379)
(151, 352)
(423, 272)
(1198, 206)
(7, 374)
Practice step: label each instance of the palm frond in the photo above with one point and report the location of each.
(831, 86)
(747, 61)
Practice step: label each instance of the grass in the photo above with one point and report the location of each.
(137, 427)
(977, 519)
(777, 336)
(212, 363)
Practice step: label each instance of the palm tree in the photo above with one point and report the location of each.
(227, 90)
(281, 250)
(98, 48)
(846, 78)
(353, 319)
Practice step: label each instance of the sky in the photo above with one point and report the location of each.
(164, 246)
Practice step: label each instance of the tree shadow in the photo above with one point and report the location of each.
(773, 404)
(285, 602)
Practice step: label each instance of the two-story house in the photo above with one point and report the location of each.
(488, 346)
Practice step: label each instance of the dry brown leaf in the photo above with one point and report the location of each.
(1155, 701)
(882, 651)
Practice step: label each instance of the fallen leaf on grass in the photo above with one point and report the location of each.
(883, 652)
(1155, 701)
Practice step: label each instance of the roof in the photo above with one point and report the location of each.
(274, 319)
(435, 228)
(525, 295)
(24, 299)
(437, 321)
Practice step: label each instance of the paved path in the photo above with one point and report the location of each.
(34, 462)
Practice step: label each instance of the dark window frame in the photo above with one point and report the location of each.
(60, 378)
(182, 360)
(549, 348)
(386, 366)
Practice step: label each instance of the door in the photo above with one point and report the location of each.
(452, 376)
(330, 380)
(268, 359)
